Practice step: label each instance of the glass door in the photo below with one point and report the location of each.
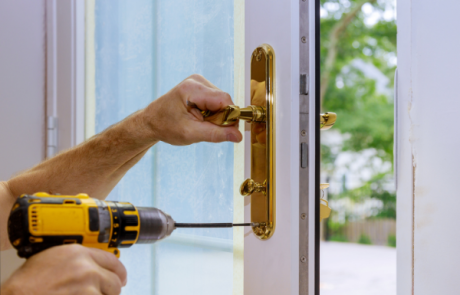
(137, 51)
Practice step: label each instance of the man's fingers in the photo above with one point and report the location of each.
(204, 97)
(213, 100)
(110, 262)
(209, 132)
(109, 282)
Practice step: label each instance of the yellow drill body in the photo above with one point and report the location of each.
(40, 221)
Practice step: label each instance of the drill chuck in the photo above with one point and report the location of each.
(155, 225)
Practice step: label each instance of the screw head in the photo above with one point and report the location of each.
(303, 215)
(303, 132)
(303, 259)
(303, 39)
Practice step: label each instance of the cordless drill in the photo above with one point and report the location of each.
(40, 221)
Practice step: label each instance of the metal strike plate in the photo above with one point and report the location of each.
(261, 185)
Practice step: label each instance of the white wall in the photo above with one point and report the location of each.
(428, 147)
(22, 93)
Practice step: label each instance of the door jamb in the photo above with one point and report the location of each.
(65, 74)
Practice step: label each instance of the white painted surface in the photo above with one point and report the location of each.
(22, 94)
(272, 266)
(354, 269)
(66, 69)
(428, 102)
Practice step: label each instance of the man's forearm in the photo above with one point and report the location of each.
(97, 165)
(93, 167)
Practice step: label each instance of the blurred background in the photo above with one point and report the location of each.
(358, 63)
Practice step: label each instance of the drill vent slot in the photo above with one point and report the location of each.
(34, 219)
(70, 202)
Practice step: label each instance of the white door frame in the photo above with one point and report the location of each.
(273, 266)
(65, 71)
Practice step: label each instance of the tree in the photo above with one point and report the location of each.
(349, 46)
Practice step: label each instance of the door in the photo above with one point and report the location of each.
(138, 50)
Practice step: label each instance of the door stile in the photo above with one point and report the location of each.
(271, 266)
(309, 158)
(304, 171)
(316, 105)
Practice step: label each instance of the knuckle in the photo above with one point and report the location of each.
(186, 87)
(74, 249)
(196, 77)
(85, 271)
(227, 96)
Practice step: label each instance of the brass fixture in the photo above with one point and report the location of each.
(324, 209)
(323, 186)
(231, 114)
(263, 200)
(327, 120)
(261, 114)
(249, 186)
(263, 203)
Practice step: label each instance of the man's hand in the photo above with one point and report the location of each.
(68, 269)
(172, 121)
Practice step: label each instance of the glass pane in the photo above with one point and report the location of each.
(144, 48)
(358, 247)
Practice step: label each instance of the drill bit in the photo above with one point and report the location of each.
(215, 225)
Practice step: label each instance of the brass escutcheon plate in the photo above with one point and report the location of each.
(263, 141)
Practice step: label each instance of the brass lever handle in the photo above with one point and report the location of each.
(249, 186)
(231, 114)
(327, 120)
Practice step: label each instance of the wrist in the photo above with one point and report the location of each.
(149, 123)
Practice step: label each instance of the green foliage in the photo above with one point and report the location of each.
(392, 241)
(362, 112)
(365, 114)
(374, 188)
(364, 239)
(338, 238)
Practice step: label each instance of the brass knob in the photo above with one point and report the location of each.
(231, 114)
(327, 120)
(249, 186)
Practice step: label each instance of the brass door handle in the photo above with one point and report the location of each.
(261, 187)
(231, 114)
(249, 186)
(324, 209)
(327, 120)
